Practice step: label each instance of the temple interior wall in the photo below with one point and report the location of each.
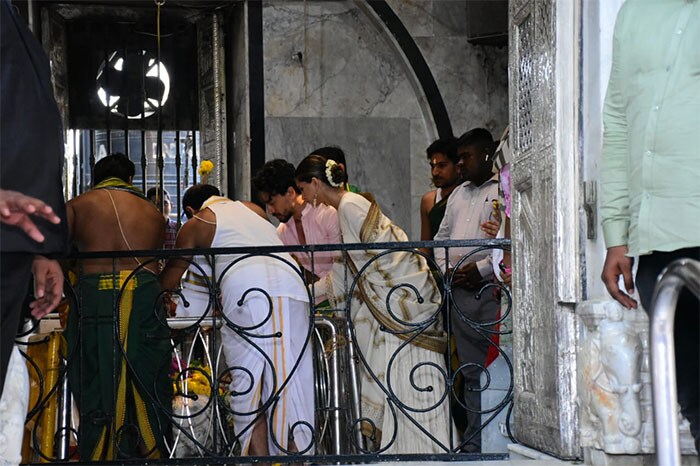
(333, 76)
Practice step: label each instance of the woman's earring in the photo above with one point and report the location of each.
(315, 200)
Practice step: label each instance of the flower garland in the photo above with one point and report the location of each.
(329, 174)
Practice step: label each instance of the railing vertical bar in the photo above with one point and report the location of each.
(178, 168)
(63, 423)
(194, 157)
(93, 144)
(108, 107)
(144, 159)
(128, 104)
(76, 157)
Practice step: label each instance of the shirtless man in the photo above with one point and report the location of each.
(443, 159)
(115, 216)
(252, 317)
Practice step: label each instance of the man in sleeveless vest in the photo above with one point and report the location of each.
(266, 330)
(442, 156)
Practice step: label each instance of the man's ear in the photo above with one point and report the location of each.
(291, 192)
(189, 212)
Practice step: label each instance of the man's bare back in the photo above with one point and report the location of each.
(93, 226)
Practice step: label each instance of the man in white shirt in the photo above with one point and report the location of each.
(300, 221)
(470, 205)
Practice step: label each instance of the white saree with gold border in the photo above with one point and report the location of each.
(402, 343)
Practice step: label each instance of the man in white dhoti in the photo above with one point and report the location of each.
(395, 312)
(266, 334)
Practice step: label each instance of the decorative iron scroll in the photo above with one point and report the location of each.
(331, 362)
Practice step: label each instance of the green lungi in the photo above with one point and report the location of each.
(124, 402)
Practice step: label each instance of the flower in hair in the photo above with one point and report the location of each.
(329, 174)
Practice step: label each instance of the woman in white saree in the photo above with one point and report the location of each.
(395, 312)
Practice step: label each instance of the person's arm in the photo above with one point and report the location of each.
(176, 267)
(425, 205)
(48, 286)
(614, 191)
(444, 234)
(618, 264)
(331, 223)
(506, 272)
(17, 209)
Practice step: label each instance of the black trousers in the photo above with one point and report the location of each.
(686, 332)
(15, 273)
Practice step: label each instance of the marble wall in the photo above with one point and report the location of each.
(334, 75)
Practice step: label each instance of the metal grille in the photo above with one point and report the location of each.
(525, 84)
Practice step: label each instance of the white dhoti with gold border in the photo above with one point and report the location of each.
(271, 367)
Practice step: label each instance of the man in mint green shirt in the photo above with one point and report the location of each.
(650, 194)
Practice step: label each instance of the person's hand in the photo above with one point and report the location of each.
(491, 228)
(507, 278)
(63, 310)
(506, 269)
(616, 264)
(169, 305)
(17, 208)
(48, 286)
(467, 277)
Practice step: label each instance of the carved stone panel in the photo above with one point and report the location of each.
(544, 326)
(614, 380)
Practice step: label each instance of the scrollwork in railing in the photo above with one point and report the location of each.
(227, 371)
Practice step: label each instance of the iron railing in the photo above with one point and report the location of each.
(680, 274)
(197, 420)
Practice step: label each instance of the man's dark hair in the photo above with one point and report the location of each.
(334, 153)
(196, 195)
(151, 193)
(478, 137)
(447, 146)
(116, 165)
(275, 177)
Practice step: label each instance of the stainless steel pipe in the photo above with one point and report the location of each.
(683, 273)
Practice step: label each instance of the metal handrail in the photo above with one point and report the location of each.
(680, 274)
